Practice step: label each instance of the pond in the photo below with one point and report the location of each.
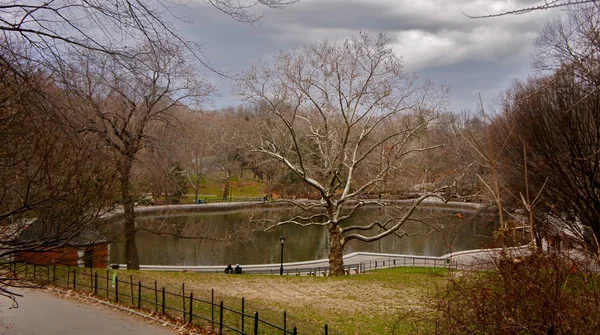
(236, 236)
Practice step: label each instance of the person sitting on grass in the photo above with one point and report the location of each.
(238, 269)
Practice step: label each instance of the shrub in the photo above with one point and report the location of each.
(537, 294)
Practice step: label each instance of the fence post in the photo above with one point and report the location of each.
(183, 295)
(163, 300)
(68, 274)
(256, 323)
(34, 268)
(155, 297)
(221, 318)
(326, 330)
(139, 294)
(243, 315)
(191, 306)
(131, 286)
(284, 322)
(48, 274)
(96, 283)
(107, 290)
(212, 307)
(117, 289)
(91, 281)
(54, 274)
(74, 279)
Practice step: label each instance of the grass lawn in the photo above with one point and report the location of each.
(211, 188)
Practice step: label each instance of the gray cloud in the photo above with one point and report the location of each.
(433, 37)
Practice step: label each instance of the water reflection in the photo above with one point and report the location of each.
(232, 237)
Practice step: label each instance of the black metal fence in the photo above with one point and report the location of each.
(207, 312)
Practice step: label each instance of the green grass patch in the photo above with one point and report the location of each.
(245, 187)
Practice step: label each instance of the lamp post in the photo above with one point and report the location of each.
(282, 240)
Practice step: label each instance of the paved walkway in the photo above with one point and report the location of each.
(369, 261)
(356, 262)
(44, 312)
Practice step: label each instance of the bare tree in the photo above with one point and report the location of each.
(52, 169)
(161, 168)
(226, 153)
(339, 119)
(124, 97)
(459, 164)
(196, 148)
(555, 120)
(555, 126)
(50, 177)
(571, 44)
(107, 26)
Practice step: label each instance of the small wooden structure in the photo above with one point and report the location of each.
(52, 244)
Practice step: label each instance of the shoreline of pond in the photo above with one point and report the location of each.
(182, 255)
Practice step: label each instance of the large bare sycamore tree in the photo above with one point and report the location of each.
(342, 117)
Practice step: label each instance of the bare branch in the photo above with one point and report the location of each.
(551, 4)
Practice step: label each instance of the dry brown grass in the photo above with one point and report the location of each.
(359, 304)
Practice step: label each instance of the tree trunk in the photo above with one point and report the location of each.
(226, 190)
(197, 188)
(336, 251)
(131, 254)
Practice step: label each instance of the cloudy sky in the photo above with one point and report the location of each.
(434, 38)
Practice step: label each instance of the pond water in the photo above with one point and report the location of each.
(234, 236)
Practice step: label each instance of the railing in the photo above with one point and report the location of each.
(231, 199)
(183, 305)
(356, 268)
